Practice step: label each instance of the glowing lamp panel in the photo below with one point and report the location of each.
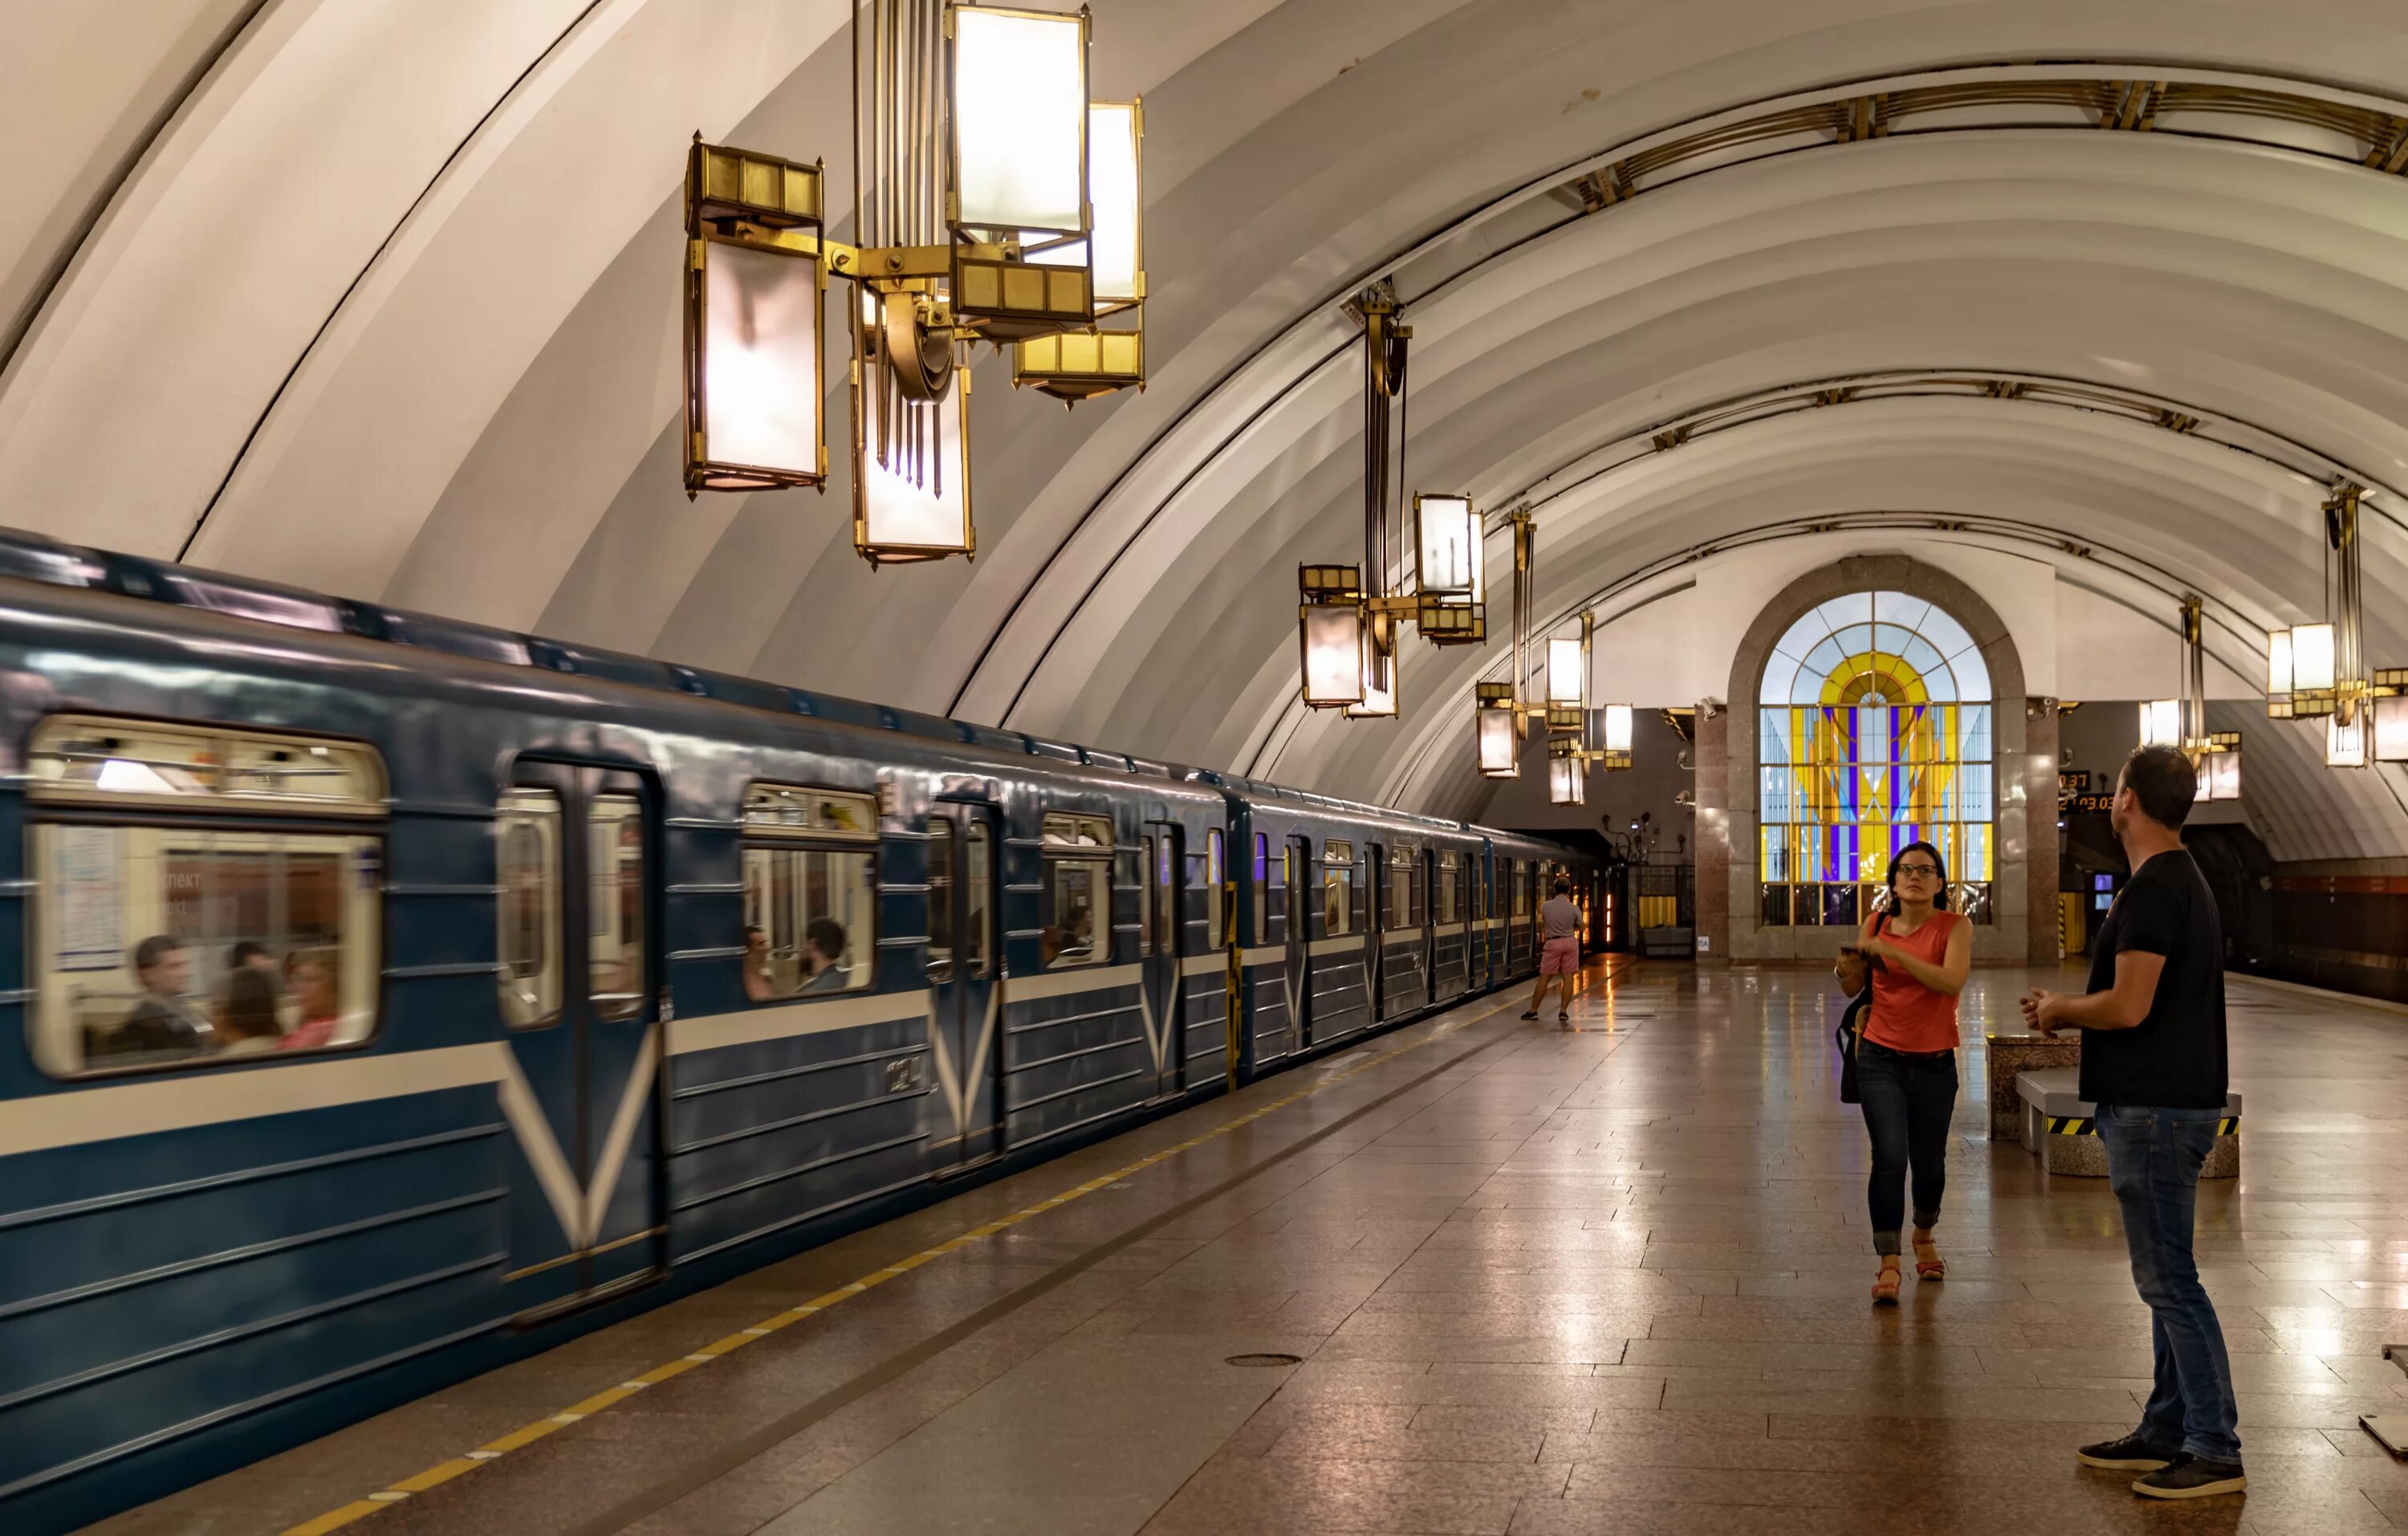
(1020, 118)
(761, 361)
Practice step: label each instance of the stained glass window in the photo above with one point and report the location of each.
(1874, 731)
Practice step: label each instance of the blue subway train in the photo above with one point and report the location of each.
(391, 998)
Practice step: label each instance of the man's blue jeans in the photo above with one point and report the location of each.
(2154, 1157)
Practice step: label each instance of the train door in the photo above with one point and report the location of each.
(1159, 949)
(579, 962)
(965, 983)
(1300, 899)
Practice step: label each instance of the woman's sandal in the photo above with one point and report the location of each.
(1928, 1262)
(1886, 1284)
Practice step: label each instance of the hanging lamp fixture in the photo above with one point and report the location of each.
(1578, 735)
(2318, 670)
(993, 201)
(2216, 754)
(1377, 616)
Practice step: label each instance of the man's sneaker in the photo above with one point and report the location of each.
(2131, 1454)
(2192, 1477)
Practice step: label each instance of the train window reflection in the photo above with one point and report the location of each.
(527, 859)
(1337, 899)
(614, 876)
(159, 946)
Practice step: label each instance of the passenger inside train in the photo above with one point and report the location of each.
(248, 1022)
(160, 1022)
(824, 956)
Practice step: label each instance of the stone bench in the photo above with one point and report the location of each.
(2061, 1127)
(2009, 1056)
(2390, 1431)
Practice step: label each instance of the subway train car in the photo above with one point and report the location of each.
(389, 997)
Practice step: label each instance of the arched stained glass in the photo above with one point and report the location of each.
(1875, 732)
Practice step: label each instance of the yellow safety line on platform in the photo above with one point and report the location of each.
(527, 1435)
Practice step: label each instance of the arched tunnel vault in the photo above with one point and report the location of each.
(382, 299)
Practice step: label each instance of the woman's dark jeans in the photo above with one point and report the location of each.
(1908, 1101)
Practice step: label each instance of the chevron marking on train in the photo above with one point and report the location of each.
(492, 1451)
(960, 1092)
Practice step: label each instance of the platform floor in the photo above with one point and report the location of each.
(1606, 1280)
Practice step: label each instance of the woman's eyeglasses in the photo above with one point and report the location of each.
(1930, 871)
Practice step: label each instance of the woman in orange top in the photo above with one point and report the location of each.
(1919, 952)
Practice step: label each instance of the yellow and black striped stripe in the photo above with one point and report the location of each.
(2083, 1126)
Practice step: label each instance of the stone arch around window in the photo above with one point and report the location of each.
(2022, 751)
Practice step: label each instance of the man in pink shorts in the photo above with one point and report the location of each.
(1560, 921)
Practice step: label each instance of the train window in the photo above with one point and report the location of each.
(941, 897)
(1216, 877)
(82, 759)
(941, 875)
(1145, 900)
(1076, 899)
(1519, 875)
(788, 811)
(1337, 887)
(809, 884)
(527, 859)
(614, 905)
(168, 936)
(1262, 886)
(1404, 887)
(1449, 887)
(1064, 830)
(1166, 899)
(979, 860)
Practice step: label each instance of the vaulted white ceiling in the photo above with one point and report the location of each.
(380, 296)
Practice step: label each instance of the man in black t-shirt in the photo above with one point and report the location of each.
(2153, 1064)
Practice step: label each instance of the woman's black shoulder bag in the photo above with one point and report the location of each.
(1852, 1024)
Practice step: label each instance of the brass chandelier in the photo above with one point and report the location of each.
(1348, 624)
(2319, 671)
(1579, 737)
(2183, 721)
(993, 201)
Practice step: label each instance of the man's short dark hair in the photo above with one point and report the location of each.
(2165, 783)
(154, 949)
(1563, 886)
(246, 951)
(827, 934)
